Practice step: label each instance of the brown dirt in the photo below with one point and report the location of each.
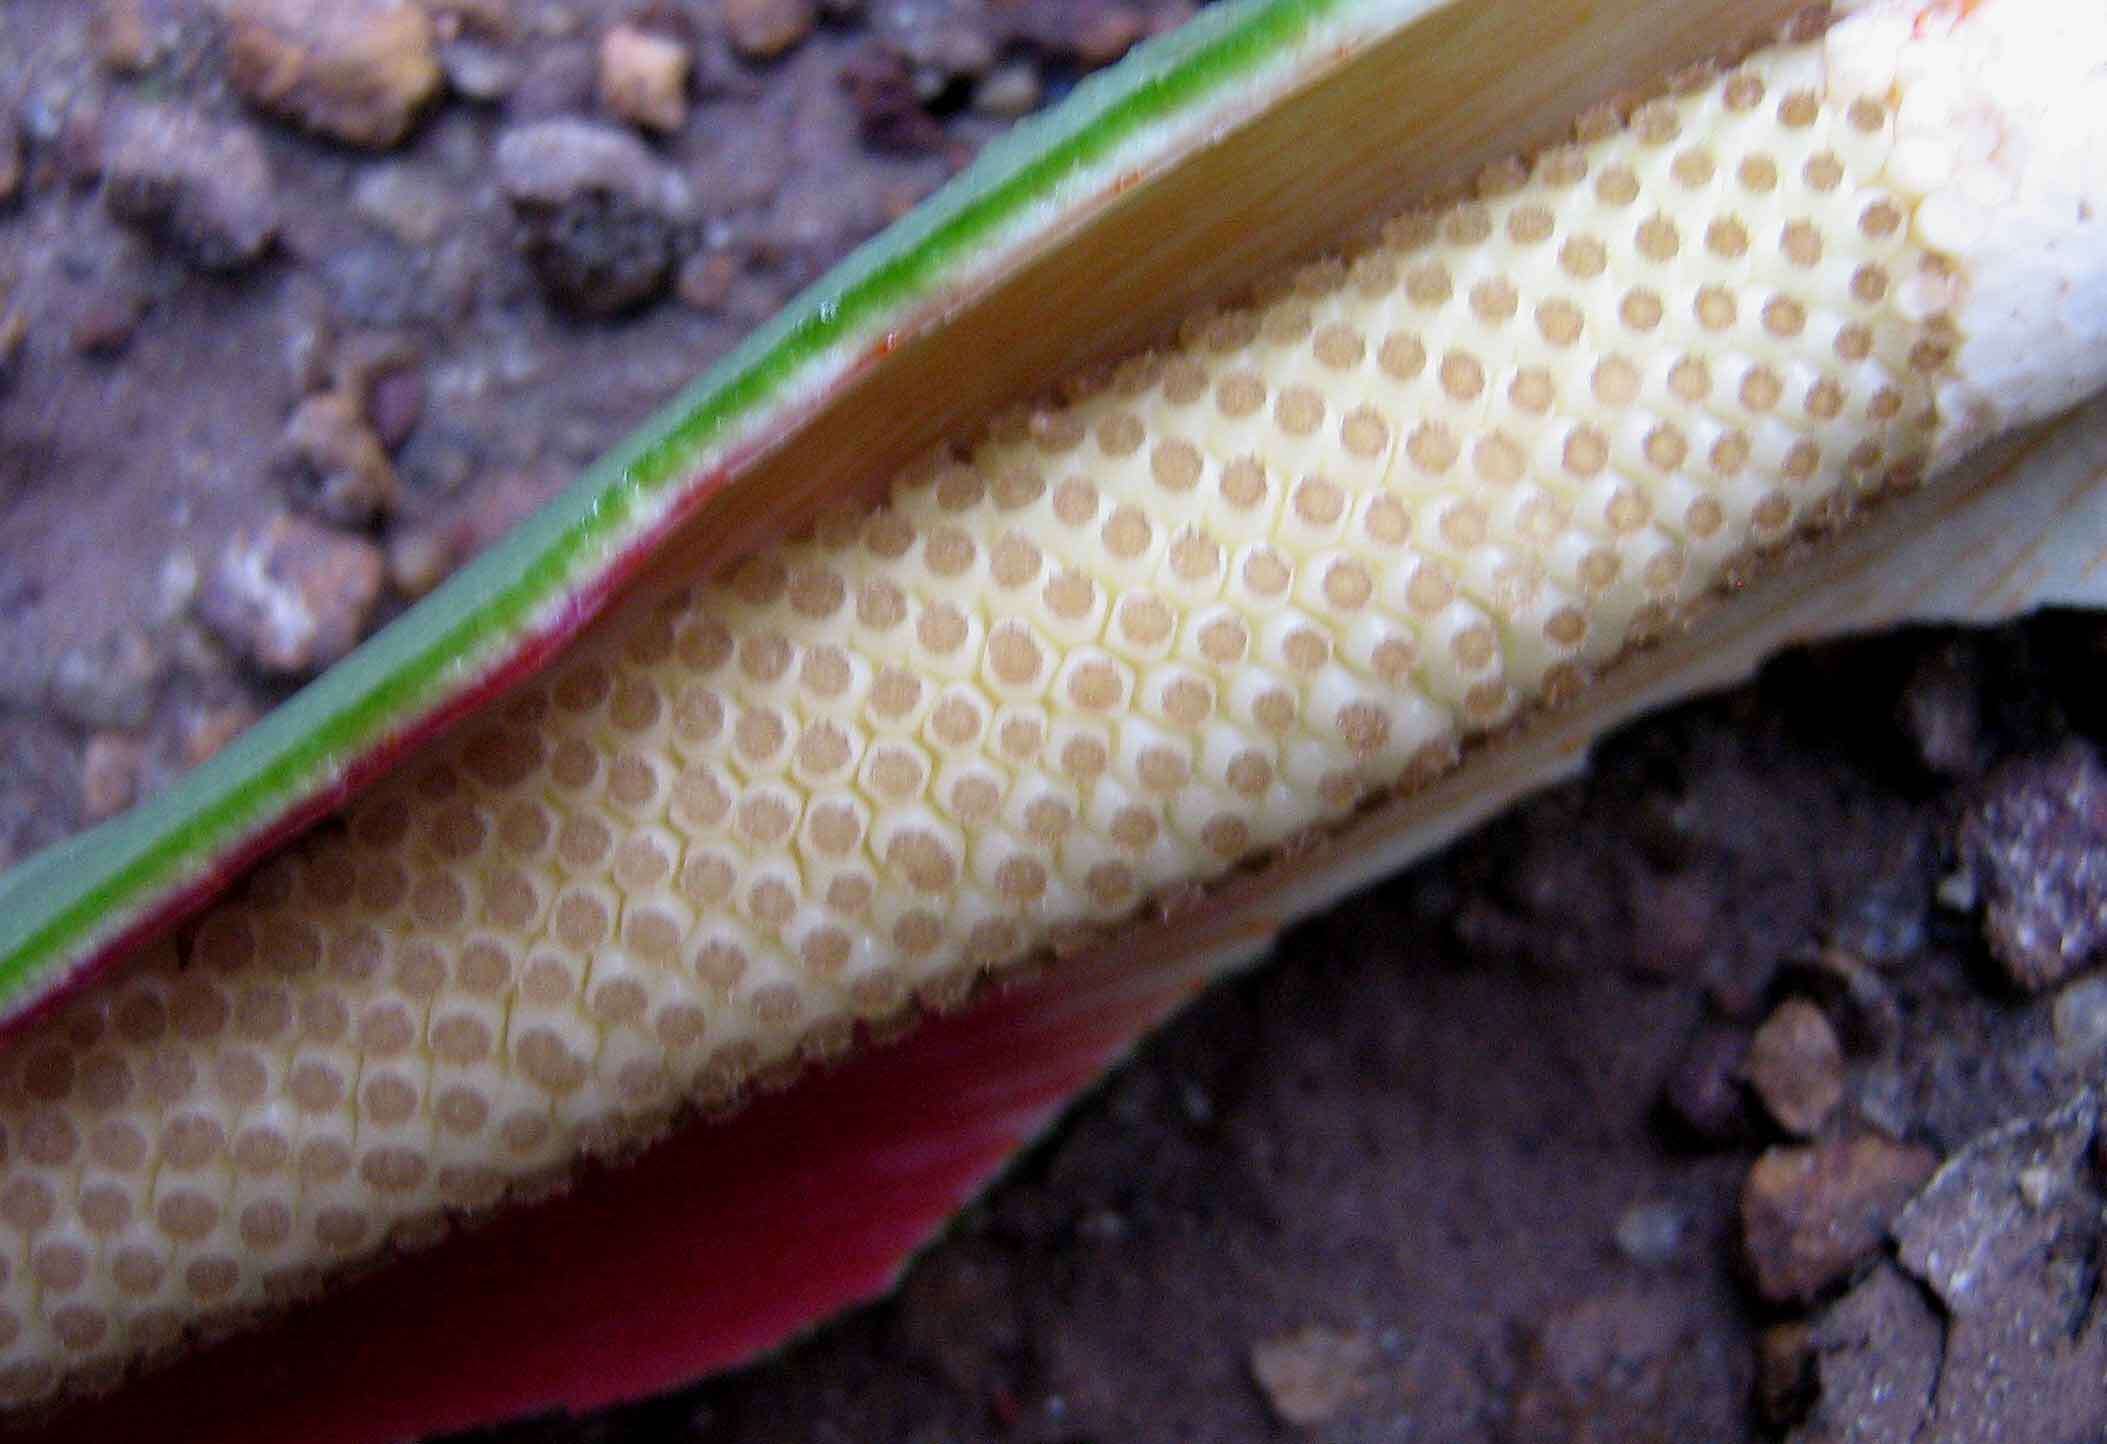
(1466, 1162)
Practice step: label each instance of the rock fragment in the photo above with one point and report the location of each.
(1796, 1066)
(2036, 846)
(644, 78)
(293, 596)
(1876, 1357)
(1313, 1374)
(600, 216)
(1810, 1215)
(358, 71)
(334, 464)
(202, 189)
(2009, 1237)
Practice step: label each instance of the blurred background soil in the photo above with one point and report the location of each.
(1746, 1088)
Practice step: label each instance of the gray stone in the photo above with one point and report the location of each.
(202, 189)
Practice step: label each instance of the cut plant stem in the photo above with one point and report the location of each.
(1114, 647)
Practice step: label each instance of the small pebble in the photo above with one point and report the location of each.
(1008, 91)
(294, 596)
(1810, 1215)
(109, 774)
(333, 463)
(209, 731)
(359, 71)
(2079, 1019)
(1312, 1375)
(1796, 1066)
(644, 78)
(706, 280)
(764, 29)
(418, 561)
(479, 70)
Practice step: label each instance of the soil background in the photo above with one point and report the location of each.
(1617, 1121)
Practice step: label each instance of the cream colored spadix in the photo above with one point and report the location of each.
(1209, 601)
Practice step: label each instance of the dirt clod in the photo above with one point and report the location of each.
(358, 71)
(1811, 1215)
(1312, 1374)
(1796, 1066)
(599, 214)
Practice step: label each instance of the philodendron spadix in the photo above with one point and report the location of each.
(1029, 597)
